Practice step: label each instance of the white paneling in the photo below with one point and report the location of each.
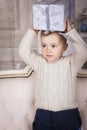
(15, 18)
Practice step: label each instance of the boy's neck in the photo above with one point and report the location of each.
(57, 60)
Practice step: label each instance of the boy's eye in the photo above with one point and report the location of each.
(53, 46)
(43, 45)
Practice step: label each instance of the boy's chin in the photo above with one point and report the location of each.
(52, 60)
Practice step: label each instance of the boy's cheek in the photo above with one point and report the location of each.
(55, 50)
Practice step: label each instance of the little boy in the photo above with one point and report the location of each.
(55, 97)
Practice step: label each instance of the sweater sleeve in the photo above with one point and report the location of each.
(80, 56)
(25, 52)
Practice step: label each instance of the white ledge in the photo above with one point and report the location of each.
(82, 73)
(26, 72)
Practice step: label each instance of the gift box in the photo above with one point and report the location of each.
(50, 15)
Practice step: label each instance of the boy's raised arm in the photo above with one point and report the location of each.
(80, 57)
(25, 52)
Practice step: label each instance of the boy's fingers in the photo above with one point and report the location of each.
(68, 25)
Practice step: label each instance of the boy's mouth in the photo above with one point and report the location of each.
(49, 55)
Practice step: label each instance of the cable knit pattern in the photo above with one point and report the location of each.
(55, 89)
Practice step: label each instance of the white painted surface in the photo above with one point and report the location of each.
(16, 103)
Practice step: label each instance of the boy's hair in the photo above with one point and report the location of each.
(61, 37)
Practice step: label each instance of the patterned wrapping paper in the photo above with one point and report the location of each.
(50, 16)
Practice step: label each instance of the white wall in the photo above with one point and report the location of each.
(16, 103)
(81, 95)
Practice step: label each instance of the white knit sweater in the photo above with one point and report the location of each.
(56, 81)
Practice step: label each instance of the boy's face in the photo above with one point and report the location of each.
(52, 47)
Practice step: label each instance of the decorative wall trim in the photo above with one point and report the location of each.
(26, 72)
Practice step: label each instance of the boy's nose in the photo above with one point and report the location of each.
(48, 49)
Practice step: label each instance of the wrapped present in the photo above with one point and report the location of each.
(50, 16)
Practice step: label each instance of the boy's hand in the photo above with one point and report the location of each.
(35, 29)
(68, 25)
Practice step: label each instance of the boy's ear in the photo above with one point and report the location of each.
(65, 47)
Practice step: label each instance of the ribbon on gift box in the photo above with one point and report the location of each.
(47, 19)
(47, 13)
